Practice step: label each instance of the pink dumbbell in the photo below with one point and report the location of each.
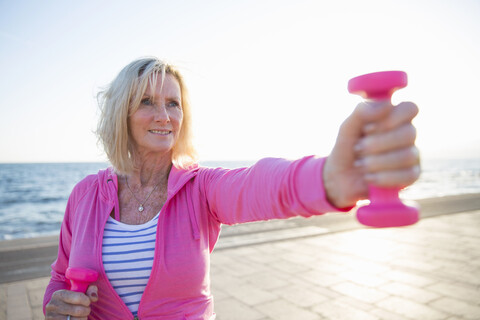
(385, 209)
(80, 278)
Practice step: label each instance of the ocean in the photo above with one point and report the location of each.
(33, 196)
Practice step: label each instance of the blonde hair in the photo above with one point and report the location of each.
(122, 97)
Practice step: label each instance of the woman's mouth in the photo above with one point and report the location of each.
(160, 132)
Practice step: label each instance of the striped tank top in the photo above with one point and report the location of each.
(127, 254)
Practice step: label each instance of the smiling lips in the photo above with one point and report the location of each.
(160, 132)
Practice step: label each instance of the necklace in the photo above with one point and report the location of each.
(141, 207)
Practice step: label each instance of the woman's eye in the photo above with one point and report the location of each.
(147, 102)
(173, 104)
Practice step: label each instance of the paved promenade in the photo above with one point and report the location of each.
(427, 271)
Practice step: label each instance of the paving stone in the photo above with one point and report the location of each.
(320, 278)
(270, 248)
(222, 257)
(251, 295)
(266, 281)
(18, 307)
(365, 294)
(246, 251)
(409, 292)
(366, 246)
(362, 278)
(337, 258)
(355, 303)
(458, 308)
(232, 309)
(37, 313)
(411, 309)
(261, 257)
(301, 296)
(219, 294)
(297, 257)
(327, 292)
(328, 266)
(284, 310)
(459, 275)
(408, 278)
(35, 297)
(415, 263)
(3, 301)
(386, 315)
(457, 291)
(450, 257)
(242, 268)
(289, 267)
(223, 281)
(39, 283)
(340, 311)
(368, 267)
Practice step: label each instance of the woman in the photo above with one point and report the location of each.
(148, 224)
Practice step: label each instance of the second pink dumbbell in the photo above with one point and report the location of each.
(80, 278)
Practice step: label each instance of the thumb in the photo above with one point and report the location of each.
(92, 293)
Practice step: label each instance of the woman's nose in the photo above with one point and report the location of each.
(161, 114)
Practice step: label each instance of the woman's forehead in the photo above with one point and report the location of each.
(169, 86)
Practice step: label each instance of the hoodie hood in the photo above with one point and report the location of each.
(178, 177)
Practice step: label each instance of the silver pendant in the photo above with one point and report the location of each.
(140, 209)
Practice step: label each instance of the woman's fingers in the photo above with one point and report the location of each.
(394, 178)
(398, 138)
(74, 298)
(364, 114)
(399, 115)
(65, 302)
(92, 293)
(399, 168)
(398, 159)
(387, 153)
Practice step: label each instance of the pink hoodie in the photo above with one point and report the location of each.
(199, 201)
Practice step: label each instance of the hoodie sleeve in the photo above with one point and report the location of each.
(270, 189)
(59, 266)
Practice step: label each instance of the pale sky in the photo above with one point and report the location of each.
(267, 78)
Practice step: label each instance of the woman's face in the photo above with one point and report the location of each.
(155, 126)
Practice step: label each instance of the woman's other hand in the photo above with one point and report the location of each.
(75, 304)
(375, 145)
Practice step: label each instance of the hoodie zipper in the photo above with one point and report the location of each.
(180, 185)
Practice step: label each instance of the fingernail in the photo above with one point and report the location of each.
(358, 147)
(359, 163)
(369, 128)
(370, 177)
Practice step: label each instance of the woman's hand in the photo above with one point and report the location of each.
(75, 304)
(375, 145)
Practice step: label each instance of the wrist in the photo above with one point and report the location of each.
(333, 190)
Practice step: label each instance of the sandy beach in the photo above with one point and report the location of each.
(427, 271)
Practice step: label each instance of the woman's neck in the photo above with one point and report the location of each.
(151, 171)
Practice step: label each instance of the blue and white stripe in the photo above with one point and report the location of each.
(127, 254)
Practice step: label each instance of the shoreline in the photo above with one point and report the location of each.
(28, 258)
